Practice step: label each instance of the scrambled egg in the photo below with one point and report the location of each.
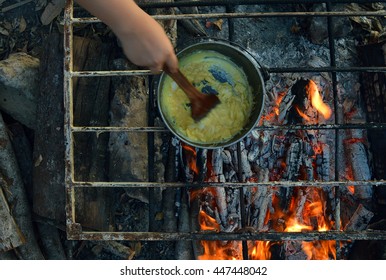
(211, 73)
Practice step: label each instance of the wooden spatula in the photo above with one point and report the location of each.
(201, 103)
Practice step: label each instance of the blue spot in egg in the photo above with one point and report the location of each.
(208, 90)
(220, 75)
(205, 87)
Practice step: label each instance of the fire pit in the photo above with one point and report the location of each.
(299, 186)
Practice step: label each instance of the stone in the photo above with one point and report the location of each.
(341, 26)
(19, 84)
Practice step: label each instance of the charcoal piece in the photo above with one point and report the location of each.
(293, 101)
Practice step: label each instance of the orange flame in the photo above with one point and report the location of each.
(207, 222)
(275, 110)
(277, 103)
(217, 250)
(294, 226)
(350, 176)
(191, 157)
(313, 210)
(319, 250)
(260, 250)
(317, 101)
(304, 116)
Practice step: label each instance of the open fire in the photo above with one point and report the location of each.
(306, 210)
(299, 186)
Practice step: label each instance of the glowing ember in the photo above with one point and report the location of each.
(350, 177)
(351, 189)
(316, 100)
(275, 109)
(190, 155)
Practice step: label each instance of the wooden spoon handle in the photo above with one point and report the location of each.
(201, 103)
(184, 84)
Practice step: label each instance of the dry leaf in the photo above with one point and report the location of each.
(295, 28)
(11, 43)
(138, 248)
(218, 23)
(131, 256)
(4, 31)
(22, 25)
(38, 161)
(97, 249)
(25, 47)
(7, 25)
(159, 216)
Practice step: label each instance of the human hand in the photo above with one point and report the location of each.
(146, 43)
(143, 40)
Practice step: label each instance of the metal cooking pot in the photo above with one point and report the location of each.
(251, 68)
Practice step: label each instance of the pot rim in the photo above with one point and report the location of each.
(243, 133)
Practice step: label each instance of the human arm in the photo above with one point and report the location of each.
(143, 40)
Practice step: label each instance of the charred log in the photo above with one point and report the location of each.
(48, 151)
(14, 194)
(373, 90)
(91, 107)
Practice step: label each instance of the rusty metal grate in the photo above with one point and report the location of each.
(75, 230)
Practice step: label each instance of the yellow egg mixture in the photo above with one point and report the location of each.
(210, 72)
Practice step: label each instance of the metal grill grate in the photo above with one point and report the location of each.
(75, 230)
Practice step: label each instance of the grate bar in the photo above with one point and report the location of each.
(87, 74)
(247, 15)
(287, 184)
(273, 127)
(68, 116)
(150, 4)
(272, 236)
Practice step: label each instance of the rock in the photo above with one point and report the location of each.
(19, 82)
(341, 26)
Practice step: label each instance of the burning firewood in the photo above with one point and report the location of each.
(358, 163)
(301, 104)
(360, 219)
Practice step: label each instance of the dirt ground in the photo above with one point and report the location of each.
(21, 29)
